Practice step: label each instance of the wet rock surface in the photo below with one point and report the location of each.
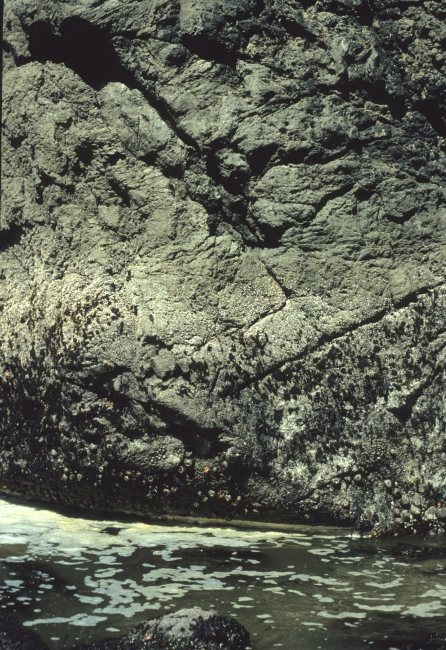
(222, 254)
(187, 629)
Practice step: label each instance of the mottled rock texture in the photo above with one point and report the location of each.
(222, 258)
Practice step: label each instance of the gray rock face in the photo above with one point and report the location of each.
(222, 258)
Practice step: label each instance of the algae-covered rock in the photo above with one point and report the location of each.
(222, 258)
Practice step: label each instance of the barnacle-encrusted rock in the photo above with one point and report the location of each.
(223, 232)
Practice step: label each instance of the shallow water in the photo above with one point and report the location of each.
(75, 579)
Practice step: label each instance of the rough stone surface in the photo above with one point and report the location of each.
(222, 258)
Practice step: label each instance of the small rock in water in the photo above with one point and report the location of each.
(194, 629)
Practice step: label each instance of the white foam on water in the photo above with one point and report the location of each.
(379, 608)
(321, 551)
(90, 600)
(342, 615)
(323, 599)
(180, 563)
(78, 619)
(386, 585)
(381, 599)
(439, 591)
(426, 610)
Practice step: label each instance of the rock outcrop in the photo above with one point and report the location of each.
(222, 258)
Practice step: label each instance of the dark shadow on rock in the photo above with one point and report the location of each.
(83, 47)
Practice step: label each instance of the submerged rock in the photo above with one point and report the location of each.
(13, 636)
(222, 259)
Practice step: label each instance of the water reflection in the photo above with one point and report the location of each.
(77, 579)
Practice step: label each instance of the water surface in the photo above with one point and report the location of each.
(76, 579)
